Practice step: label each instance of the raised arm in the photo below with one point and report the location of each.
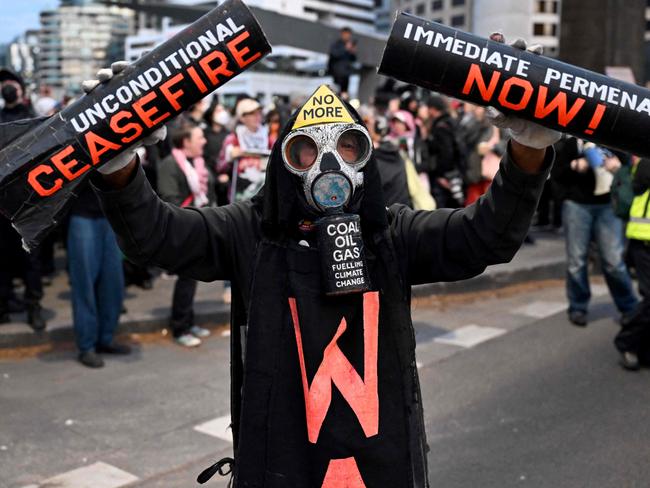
(192, 242)
(450, 245)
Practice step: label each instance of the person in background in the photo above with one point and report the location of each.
(245, 151)
(484, 151)
(633, 340)
(184, 181)
(401, 135)
(217, 120)
(342, 56)
(15, 107)
(13, 259)
(391, 165)
(588, 215)
(445, 164)
(195, 114)
(274, 124)
(97, 281)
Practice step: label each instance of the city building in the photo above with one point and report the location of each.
(538, 21)
(77, 39)
(21, 55)
(289, 70)
(455, 13)
(359, 15)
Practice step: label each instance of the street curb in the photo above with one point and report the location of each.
(490, 280)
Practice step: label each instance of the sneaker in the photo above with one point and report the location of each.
(114, 348)
(630, 361)
(199, 332)
(90, 359)
(188, 340)
(578, 318)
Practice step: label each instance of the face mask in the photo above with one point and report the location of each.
(328, 159)
(9, 94)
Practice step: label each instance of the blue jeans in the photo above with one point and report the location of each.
(97, 279)
(584, 223)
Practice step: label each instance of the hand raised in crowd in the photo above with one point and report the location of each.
(125, 161)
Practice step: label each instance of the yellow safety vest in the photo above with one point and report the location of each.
(638, 226)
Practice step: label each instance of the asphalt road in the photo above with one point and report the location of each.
(514, 396)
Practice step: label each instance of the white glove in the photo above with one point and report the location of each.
(125, 157)
(524, 132)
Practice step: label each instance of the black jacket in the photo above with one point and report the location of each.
(442, 155)
(392, 172)
(574, 186)
(341, 61)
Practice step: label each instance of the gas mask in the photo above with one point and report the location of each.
(327, 150)
(328, 159)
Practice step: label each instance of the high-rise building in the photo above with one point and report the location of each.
(455, 13)
(537, 21)
(77, 39)
(21, 55)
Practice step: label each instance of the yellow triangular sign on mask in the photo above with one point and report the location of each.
(323, 107)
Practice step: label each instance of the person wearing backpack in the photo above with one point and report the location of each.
(632, 340)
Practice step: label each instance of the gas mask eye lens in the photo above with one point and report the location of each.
(353, 146)
(301, 152)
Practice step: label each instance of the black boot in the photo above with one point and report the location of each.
(35, 317)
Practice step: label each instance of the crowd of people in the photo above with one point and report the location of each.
(431, 152)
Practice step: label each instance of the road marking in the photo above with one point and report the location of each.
(540, 310)
(98, 475)
(219, 427)
(469, 336)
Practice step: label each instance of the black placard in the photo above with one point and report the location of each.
(567, 98)
(40, 171)
(343, 263)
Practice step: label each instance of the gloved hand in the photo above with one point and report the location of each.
(524, 132)
(125, 157)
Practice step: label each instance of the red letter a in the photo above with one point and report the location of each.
(360, 394)
(343, 473)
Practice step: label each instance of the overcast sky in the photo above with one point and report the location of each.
(16, 16)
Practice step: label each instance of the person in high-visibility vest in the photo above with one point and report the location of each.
(635, 334)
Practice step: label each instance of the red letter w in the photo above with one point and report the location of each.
(361, 394)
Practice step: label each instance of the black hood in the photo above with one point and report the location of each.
(282, 202)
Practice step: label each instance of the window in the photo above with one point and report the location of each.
(554, 30)
(540, 6)
(458, 21)
(538, 30)
(419, 9)
(457, 3)
(437, 5)
(555, 7)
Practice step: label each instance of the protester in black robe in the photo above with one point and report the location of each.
(325, 387)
